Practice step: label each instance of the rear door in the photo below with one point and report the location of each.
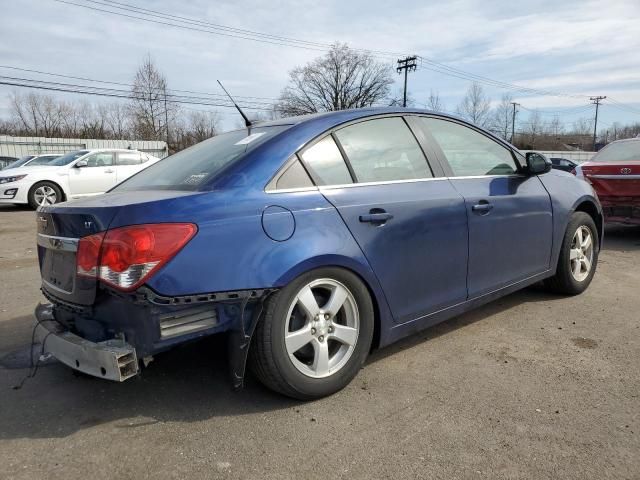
(509, 213)
(411, 226)
(98, 176)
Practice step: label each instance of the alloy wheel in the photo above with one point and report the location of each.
(322, 328)
(45, 195)
(581, 253)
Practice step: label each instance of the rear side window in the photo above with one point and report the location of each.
(295, 176)
(129, 158)
(326, 164)
(383, 150)
(468, 152)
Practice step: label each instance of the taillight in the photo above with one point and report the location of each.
(125, 257)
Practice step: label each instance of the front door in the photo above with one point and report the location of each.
(411, 227)
(509, 213)
(98, 176)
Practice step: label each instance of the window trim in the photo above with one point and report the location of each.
(431, 150)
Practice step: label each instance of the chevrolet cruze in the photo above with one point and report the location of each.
(308, 241)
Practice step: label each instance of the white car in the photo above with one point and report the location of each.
(33, 160)
(77, 174)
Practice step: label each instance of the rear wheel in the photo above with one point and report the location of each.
(578, 257)
(315, 334)
(44, 193)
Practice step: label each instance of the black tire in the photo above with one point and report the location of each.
(268, 357)
(33, 203)
(563, 282)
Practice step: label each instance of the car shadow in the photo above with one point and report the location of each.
(187, 384)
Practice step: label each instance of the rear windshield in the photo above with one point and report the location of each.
(190, 168)
(619, 152)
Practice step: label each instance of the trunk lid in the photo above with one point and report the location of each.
(61, 226)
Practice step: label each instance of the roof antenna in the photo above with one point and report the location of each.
(247, 122)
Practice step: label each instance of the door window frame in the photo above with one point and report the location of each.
(426, 147)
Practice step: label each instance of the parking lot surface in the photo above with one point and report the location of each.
(530, 386)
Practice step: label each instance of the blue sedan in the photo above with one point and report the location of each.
(308, 241)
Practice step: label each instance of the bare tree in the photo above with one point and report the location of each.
(150, 107)
(502, 117)
(117, 119)
(434, 102)
(475, 106)
(341, 79)
(556, 129)
(534, 127)
(583, 132)
(37, 114)
(203, 125)
(398, 98)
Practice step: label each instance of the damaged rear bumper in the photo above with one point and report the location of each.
(111, 359)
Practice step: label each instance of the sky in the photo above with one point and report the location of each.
(574, 48)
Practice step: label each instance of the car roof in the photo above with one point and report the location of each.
(350, 114)
(623, 140)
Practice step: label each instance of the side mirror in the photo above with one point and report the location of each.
(537, 163)
(81, 164)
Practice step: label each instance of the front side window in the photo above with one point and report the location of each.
(468, 152)
(383, 150)
(68, 158)
(325, 163)
(102, 159)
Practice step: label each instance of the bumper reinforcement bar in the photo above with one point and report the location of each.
(112, 359)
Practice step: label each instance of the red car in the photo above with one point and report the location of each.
(614, 173)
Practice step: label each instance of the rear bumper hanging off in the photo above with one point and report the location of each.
(112, 359)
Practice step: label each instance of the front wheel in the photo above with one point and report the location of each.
(315, 334)
(578, 256)
(44, 193)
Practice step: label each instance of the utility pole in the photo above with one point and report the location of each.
(166, 118)
(596, 101)
(513, 120)
(406, 64)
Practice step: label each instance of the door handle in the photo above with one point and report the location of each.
(376, 216)
(483, 207)
(108, 171)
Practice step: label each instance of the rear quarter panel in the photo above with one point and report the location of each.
(231, 250)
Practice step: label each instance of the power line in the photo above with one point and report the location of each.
(192, 24)
(105, 92)
(109, 82)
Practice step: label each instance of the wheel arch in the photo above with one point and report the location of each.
(382, 314)
(46, 180)
(590, 207)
